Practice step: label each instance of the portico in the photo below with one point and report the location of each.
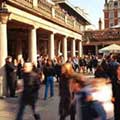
(29, 30)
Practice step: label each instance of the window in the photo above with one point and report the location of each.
(119, 21)
(119, 14)
(111, 15)
(111, 24)
(115, 3)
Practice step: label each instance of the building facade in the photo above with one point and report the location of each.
(31, 27)
(111, 13)
(96, 39)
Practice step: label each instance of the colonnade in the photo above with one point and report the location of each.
(32, 47)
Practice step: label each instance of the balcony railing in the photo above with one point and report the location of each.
(28, 3)
(45, 9)
(60, 15)
(70, 21)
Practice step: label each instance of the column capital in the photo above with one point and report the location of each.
(4, 16)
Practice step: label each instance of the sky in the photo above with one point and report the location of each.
(94, 8)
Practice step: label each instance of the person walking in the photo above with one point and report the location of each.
(66, 107)
(86, 107)
(30, 92)
(116, 93)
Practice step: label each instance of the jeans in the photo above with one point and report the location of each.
(50, 83)
(100, 110)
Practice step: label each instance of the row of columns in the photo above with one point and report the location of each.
(32, 48)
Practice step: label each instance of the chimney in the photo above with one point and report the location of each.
(100, 24)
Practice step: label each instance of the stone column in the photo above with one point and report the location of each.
(59, 47)
(73, 46)
(65, 48)
(33, 46)
(52, 46)
(80, 49)
(3, 50)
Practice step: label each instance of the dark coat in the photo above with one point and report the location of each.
(65, 106)
(11, 74)
(116, 95)
(31, 88)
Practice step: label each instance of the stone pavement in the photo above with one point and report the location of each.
(48, 109)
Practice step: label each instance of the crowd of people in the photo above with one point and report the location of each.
(74, 89)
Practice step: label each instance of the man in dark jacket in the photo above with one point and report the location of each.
(11, 76)
(30, 92)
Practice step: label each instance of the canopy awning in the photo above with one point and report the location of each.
(111, 48)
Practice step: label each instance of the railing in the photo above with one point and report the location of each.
(78, 25)
(70, 20)
(28, 3)
(45, 7)
(60, 15)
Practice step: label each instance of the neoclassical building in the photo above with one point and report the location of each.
(31, 27)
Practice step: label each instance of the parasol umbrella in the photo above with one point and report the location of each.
(111, 48)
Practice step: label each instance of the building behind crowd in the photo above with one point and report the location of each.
(31, 27)
(97, 39)
(111, 13)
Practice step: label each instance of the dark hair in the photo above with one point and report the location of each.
(7, 59)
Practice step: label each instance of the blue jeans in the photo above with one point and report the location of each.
(50, 83)
(100, 110)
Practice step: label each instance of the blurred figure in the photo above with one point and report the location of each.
(11, 76)
(86, 107)
(116, 94)
(100, 72)
(66, 107)
(30, 91)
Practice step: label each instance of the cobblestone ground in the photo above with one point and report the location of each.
(48, 109)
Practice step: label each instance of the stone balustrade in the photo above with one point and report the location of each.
(60, 15)
(28, 3)
(44, 9)
(70, 21)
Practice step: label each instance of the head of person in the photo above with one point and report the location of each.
(27, 67)
(9, 59)
(67, 69)
(77, 83)
(49, 62)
